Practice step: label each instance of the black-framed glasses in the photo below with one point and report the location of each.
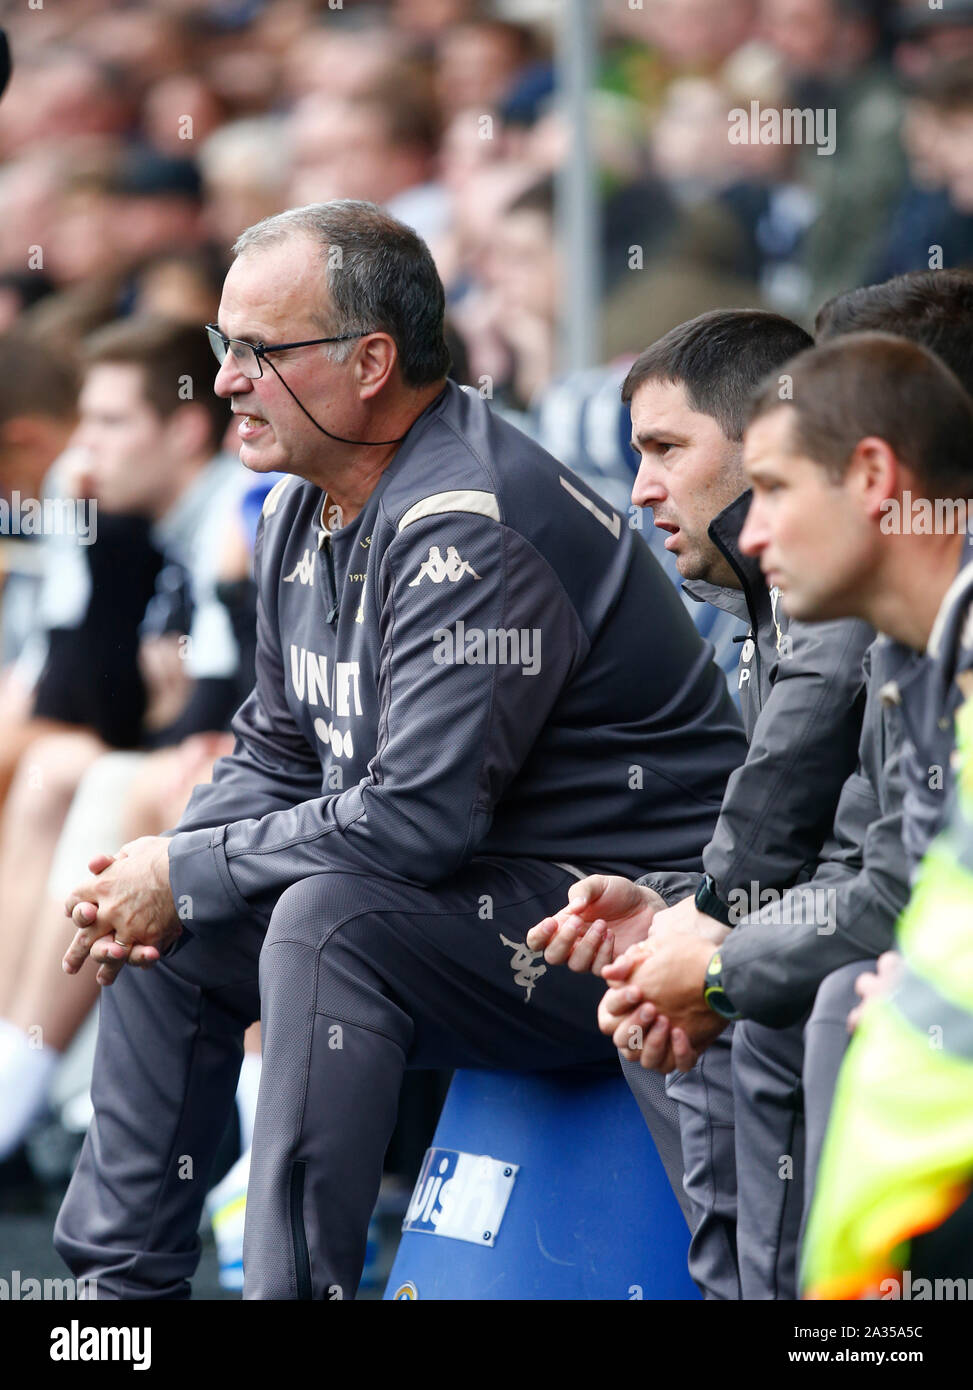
(247, 356)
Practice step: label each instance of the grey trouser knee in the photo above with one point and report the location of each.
(826, 1040)
(360, 978)
(769, 1114)
(784, 1081)
(166, 1066)
(705, 1100)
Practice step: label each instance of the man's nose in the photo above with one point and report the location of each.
(648, 488)
(755, 534)
(230, 381)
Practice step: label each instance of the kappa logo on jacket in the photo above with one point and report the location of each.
(437, 569)
(303, 570)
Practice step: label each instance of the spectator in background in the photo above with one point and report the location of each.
(152, 431)
(949, 92)
(423, 21)
(579, 418)
(179, 109)
(245, 167)
(19, 289)
(157, 202)
(179, 286)
(480, 63)
(117, 212)
(38, 395)
(339, 63)
(644, 49)
(379, 146)
(931, 35)
(932, 226)
(151, 427)
(61, 93)
(524, 284)
(830, 52)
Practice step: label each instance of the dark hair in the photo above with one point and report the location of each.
(386, 280)
(406, 104)
(539, 197)
(877, 384)
(720, 357)
(520, 39)
(177, 364)
(947, 87)
(931, 307)
(34, 380)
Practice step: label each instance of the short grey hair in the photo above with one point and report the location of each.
(379, 275)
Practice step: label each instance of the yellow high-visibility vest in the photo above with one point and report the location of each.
(898, 1155)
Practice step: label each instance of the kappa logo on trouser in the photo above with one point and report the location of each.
(526, 974)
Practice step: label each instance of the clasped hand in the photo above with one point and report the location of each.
(652, 957)
(125, 913)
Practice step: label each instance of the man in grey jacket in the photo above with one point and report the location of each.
(471, 677)
(801, 695)
(771, 965)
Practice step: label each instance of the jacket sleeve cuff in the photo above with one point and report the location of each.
(199, 876)
(769, 987)
(672, 885)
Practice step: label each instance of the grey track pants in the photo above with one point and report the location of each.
(753, 1123)
(784, 1081)
(358, 979)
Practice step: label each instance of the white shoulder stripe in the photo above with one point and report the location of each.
(272, 500)
(483, 503)
(610, 520)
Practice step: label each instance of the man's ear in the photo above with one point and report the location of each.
(376, 363)
(874, 474)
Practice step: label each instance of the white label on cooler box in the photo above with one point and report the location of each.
(463, 1196)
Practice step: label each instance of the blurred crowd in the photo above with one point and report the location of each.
(139, 138)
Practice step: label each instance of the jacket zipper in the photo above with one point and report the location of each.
(324, 543)
(748, 596)
(302, 1261)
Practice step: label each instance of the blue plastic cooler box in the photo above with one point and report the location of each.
(542, 1186)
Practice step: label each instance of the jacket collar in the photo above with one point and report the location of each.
(921, 681)
(953, 598)
(752, 598)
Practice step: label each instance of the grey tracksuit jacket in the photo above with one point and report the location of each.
(928, 689)
(485, 661)
(775, 961)
(890, 809)
(802, 694)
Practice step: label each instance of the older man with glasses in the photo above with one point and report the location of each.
(474, 684)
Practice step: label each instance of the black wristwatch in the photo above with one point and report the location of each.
(710, 902)
(713, 991)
